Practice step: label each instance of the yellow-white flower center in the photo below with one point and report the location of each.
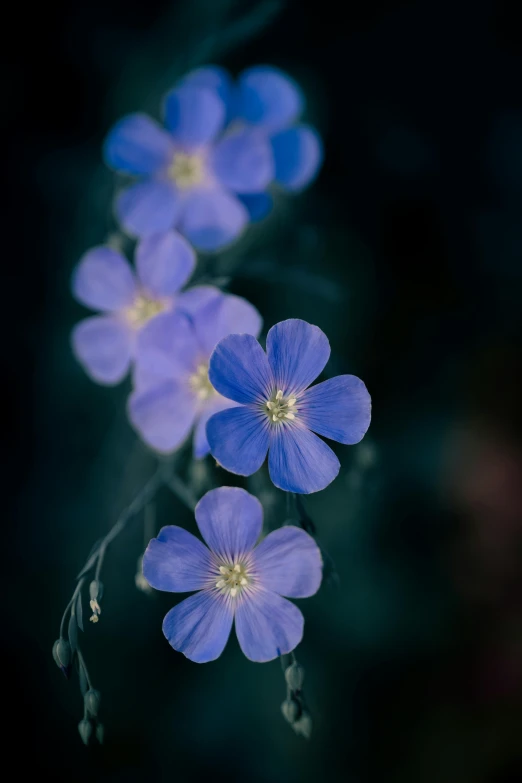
(280, 408)
(186, 170)
(200, 384)
(142, 310)
(233, 579)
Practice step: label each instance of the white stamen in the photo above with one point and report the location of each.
(289, 415)
(221, 583)
(223, 570)
(237, 568)
(243, 581)
(279, 395)
(233, 592)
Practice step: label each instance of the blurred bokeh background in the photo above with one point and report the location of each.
(407, 252)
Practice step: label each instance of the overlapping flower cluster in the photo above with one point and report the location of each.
(209, 171)
(193, 354)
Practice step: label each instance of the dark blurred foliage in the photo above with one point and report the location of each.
(408, 253)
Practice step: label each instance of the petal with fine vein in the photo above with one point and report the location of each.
(199, 626)
(230, 520)
(238, 439)
(244, 161)
(194, 115)
(339, 408)
(299, 461)
(239, 369)
(146, 208)
(289, 562)
(226, 315)
(297, 352)
(267, 626)
(177, 562)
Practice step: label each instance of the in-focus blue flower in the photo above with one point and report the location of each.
(236, 580)
(189, 175)
(267, 99)
(172, 390)
(278, 413)
(105, 344)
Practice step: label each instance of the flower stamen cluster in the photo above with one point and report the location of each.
(233, 578)
(279, 407)
(200, 384)
(142, 310)
(186, 170)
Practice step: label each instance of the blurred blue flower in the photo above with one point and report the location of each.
(235, 580)
(172, 390)
(267, 99)
(278, 413)
(189, 173)
(105, 344)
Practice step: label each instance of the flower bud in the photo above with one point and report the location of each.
(290, 709)
(303, 725)
(95, 590)
(91, 701)
(294, 676)
(85, 729)
(62, 656)
(100, 732)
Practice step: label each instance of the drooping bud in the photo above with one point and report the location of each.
(91, 702)
(95, 593)
(100, 733)
(85, 729)
(62, 656)
(141, 582)
(294, 676)
(303, 725)
(291, 710)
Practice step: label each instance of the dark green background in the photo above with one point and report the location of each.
(407, 252)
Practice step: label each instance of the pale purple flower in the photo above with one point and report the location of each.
(127, 300)
(277, 411)
(189, 174)
(237, 580)
(172, 392)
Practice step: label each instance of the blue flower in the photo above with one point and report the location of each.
(172, 390)
(278, 413)
(189, 177)
(103, 280)
(236, 582)
(267, 99)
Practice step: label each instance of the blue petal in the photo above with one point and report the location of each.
(194, 115)
(339, 408)
(238, 439)
(214, 405)
(289, 562)
(297, 353)
(212, 218)
(213, 77)
(164, 263)
(103, 346)
(166, 348)
(191, 301)
(258, 204)
(104, 280)
(199, 626)
(149, 207)
(177, 561)
(230, 521)
(239, 370)
(299, 461)
(267, 626)
(269, 98)
(163, 415)
(137, 145)
(243, 161)
(298, 153)
(225, 315)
